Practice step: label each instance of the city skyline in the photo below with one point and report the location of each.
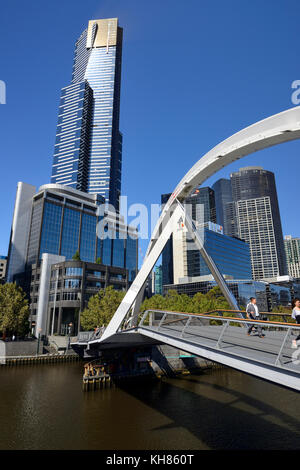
(159, 132)
(150, 242)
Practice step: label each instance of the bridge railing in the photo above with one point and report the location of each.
(86, 336)
(153, 316)
(274, 341)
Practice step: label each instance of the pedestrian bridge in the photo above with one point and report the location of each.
(218, 336)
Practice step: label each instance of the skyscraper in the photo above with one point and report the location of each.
(60, 221)
(202, 205)
(225, 207)
(223, 195)
(158, 280)
(292, 250)
(88, 146)
(167, 253)
(258, 220)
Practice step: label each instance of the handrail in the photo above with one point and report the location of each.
(244, 311)
(236, 319)
(218, 310)
(231, 346)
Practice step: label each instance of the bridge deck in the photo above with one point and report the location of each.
(235, 341)
(220, 339)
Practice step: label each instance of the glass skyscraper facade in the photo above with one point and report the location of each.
(158, 280)
(225, 214)
(292, 250)
(258, 220)
(88, 147)
(167, 253)
(202, 204)
(65, 221)
(232, 256)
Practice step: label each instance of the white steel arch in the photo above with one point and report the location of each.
(276, 129)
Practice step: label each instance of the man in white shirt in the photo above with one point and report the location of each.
(253, 313)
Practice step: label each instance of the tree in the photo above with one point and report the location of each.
(214, 300)
(199, 303)
(101, 308)
(156, 302)
(178, 302)
(281, 309)
(99, 261)
(76, 256)
(14, 310)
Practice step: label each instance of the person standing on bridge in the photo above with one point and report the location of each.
(253, 313)
(296, 316)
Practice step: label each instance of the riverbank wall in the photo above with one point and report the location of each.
(30, 352)
(38, 359)
(30, 347)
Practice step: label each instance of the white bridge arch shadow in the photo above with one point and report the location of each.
(276, 129)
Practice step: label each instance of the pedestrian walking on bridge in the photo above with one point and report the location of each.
(296, 316)
(253, 313)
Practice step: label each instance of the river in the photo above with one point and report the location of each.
(44, 407)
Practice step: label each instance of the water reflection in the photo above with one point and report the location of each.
(43, 407)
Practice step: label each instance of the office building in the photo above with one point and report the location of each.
(18, 243)
(223, 200)
(225, 207)
(3, 264)
(158, 280)
(149, 287)
(181, 258)
(167, 253)
(281, 284)
(60, 291)
(88, 146)
(258, 220)
(231, 255)
(292, 251)
(62, 221)
(201, 205)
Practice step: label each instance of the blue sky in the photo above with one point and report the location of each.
(193, 73)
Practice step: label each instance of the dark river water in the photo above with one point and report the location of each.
(44, 407)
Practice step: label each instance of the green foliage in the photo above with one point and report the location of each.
(76, 256)
(14, 310)
(199, 303)
(101, 308)
(99, 261)
(281, 309)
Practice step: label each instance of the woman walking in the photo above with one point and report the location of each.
(296, 316)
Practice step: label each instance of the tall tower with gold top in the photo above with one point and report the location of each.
(88, 147)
